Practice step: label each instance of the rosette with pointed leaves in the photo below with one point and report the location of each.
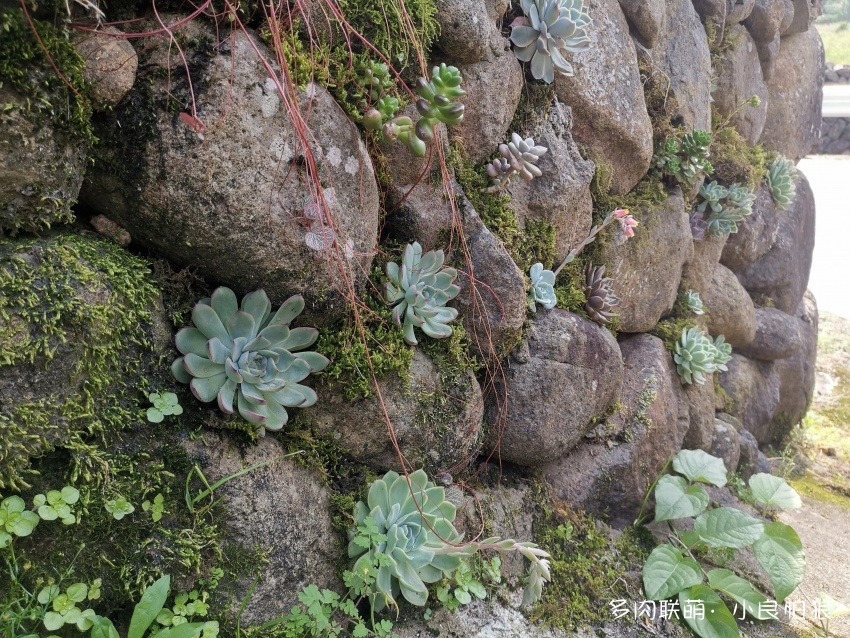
(415, 527)
(685, 159)
(549, 29)
(722, 353)
(694, 355)
(597, 290)
(542, 289)
(711, 197)
(436, 100)
(248, 358)
(780, 182)
(419, 289)
(694, 303)
(519, 156)
(736, 205)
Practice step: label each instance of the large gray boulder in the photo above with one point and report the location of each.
(682, 54)
(739, 77)
(730, 309)
(109, 65)
(726, 443)
(606, 95)
(765, 19)
(738, 10)
(283, 507)
(778, 336)
(647, 17)
(647, 269)
(782, 273)
(436, 419)
(755, 236)
(561, 196)
(795, 95)
(701, 400)
(466, 30)
(232, 201)
(752, 390)
(698, 272)
(565, 372)
(493, 88)
(805, 12)
(609, 474)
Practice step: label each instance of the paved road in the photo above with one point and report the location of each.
(829, 176)
(836, 100)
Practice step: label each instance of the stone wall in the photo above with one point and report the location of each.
(835, 136)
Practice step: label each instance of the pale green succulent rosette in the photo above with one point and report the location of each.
(694, 356)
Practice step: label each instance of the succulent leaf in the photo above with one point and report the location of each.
(780, 182)
(696, 356)
(601, 301)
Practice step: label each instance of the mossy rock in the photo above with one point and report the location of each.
(80, 324)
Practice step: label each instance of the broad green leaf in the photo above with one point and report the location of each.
(53, 621)
(831, 608)
(674, 498)
(186, 630)
(741, 591)
(700, 467)
(773, 491)
(77, 592)
(716, 621)
(728, 527)
(103, 628)
(667, 572)
(690, 538)
(147, 609)
(780, 552)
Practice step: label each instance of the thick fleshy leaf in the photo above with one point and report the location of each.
(378, 494)
(310, 396)
(201, 366)
(224, 303)
(255, 414)
(742, 592)
(277, 416)
(674, 498)
(728, 527)
(179, 371)
(296, 371)
(274, 333)
(252, 394)
(522, 35)
(300, 338)
(290, 309)
(225, 396)
(207, 321)
(316, 361)
(217, 352)
(257, 305)
(700, 467)
(206, 389)
(667, 572)
(707, 614)
(288, 396)
(780, 552)
(538, 65)
(191, 340)
(773, 491)
(242, 324)
(412, 587)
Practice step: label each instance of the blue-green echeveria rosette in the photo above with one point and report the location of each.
(418, 524)
(542, 289)
(247, 358)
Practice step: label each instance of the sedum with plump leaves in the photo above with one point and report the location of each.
(517, 157)
(549, 30)
(248, 358)
(419, 289)
(694, 302)
(780, 182)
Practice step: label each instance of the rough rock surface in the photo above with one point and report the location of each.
(701, 400)
(795, 93)
(682, 53)
(782, 274)
(739, 77)
(778, 336)
(765, 19)
(738, 10)
(726, 444)
(564, 373)
(606, 95)
(437, 424)
(466, 30)
(730, 309)
(110, 65)
(609, 474)
(755, 236)
(493, 88)
(698, 272)
(42, 167)
(752, 390)
(245, 232)
(805, 12)
(561, 196)
(647, 17)
(712, 10)
(267, 507)
(797, 373)
(748, 459)
(647, 269)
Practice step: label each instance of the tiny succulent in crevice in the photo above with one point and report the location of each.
(780, 182)
(378, 107)
(597, 290)
(419, 289)
(694, 303)
(728, 206)
(248, 358)
(518, 157)
(542, 289)
(686, 159)
(549, 29)
(696, 355)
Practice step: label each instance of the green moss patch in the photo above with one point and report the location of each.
(734, 160)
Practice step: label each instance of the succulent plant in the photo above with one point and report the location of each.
(694, 355)
(417, 525)
(694, 303)
(722, 353)
(685, 159)
(402, 128)
(736, 205)
(542, 289)
(712, 196)
(780, 182)
(597, 290)
(436, 100)
(419, 289)
(549, 29)
(248, 354)
(519, 156)
(374, 79)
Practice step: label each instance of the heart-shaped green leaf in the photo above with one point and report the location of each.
(700, 467)
(773, 491)
(667, 572)
(728, 527)
(674, 498)
(707, 614)
(742, 592)
(780, 552)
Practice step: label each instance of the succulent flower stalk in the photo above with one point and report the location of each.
(627, 225)
(549, 30)
(601, 301)
(248, 359)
